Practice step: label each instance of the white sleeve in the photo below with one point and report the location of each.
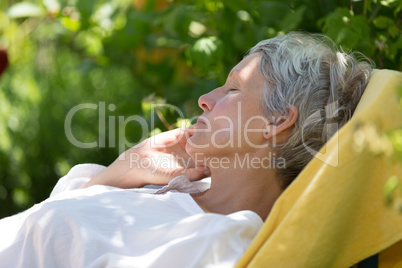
(76, 177)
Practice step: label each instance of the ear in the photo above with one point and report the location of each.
(283, 123)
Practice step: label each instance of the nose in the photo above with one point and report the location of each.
(206, 101)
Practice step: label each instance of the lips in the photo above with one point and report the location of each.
(200, 124)
(201, 119)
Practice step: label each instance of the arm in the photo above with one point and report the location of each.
(157, 160)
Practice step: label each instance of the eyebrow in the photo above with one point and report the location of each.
(233, 72)
(234, 83)
(236, 79)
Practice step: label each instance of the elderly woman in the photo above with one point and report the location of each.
(279, 105)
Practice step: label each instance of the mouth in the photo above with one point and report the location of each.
(200, 120)
(200, 124)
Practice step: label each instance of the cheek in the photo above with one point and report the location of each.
(252, 128)
(199, 149)
(225, 130)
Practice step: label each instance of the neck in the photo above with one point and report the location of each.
(235, 189)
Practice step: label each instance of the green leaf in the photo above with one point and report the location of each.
(183, 123)
(399, 89)
(293, 19)
(388, 3)
(70, 24)
(335, 23)
(147, 104)
(396, 140)
(25, 9)
(393, 47)
(390, 186)
(154, 132)
(382, 22)
(271, 12)
(20, 196)
(368, 4)
(347, 29)
(205, 53)
(86, 9)
(393, 30)
(52, 6)
(89, 41)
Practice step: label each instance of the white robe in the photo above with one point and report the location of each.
(103, 226)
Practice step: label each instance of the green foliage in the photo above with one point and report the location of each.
(392, 192)
(205, 53)
(116, 53)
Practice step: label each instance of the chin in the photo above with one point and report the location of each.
(199, 155)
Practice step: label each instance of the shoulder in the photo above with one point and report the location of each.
(76, 177)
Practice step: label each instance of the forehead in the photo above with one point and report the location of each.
(247, 68)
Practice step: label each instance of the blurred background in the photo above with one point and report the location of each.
(124, 55)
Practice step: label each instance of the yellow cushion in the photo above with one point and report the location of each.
(333, 214)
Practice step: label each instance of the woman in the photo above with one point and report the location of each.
(278, 106)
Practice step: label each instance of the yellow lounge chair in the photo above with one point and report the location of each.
(334, 214)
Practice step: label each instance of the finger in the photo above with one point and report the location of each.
(166, 139)
(173, 139)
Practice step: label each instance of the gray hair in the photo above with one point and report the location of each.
(324, 83)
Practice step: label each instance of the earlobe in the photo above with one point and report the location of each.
(267, 133)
